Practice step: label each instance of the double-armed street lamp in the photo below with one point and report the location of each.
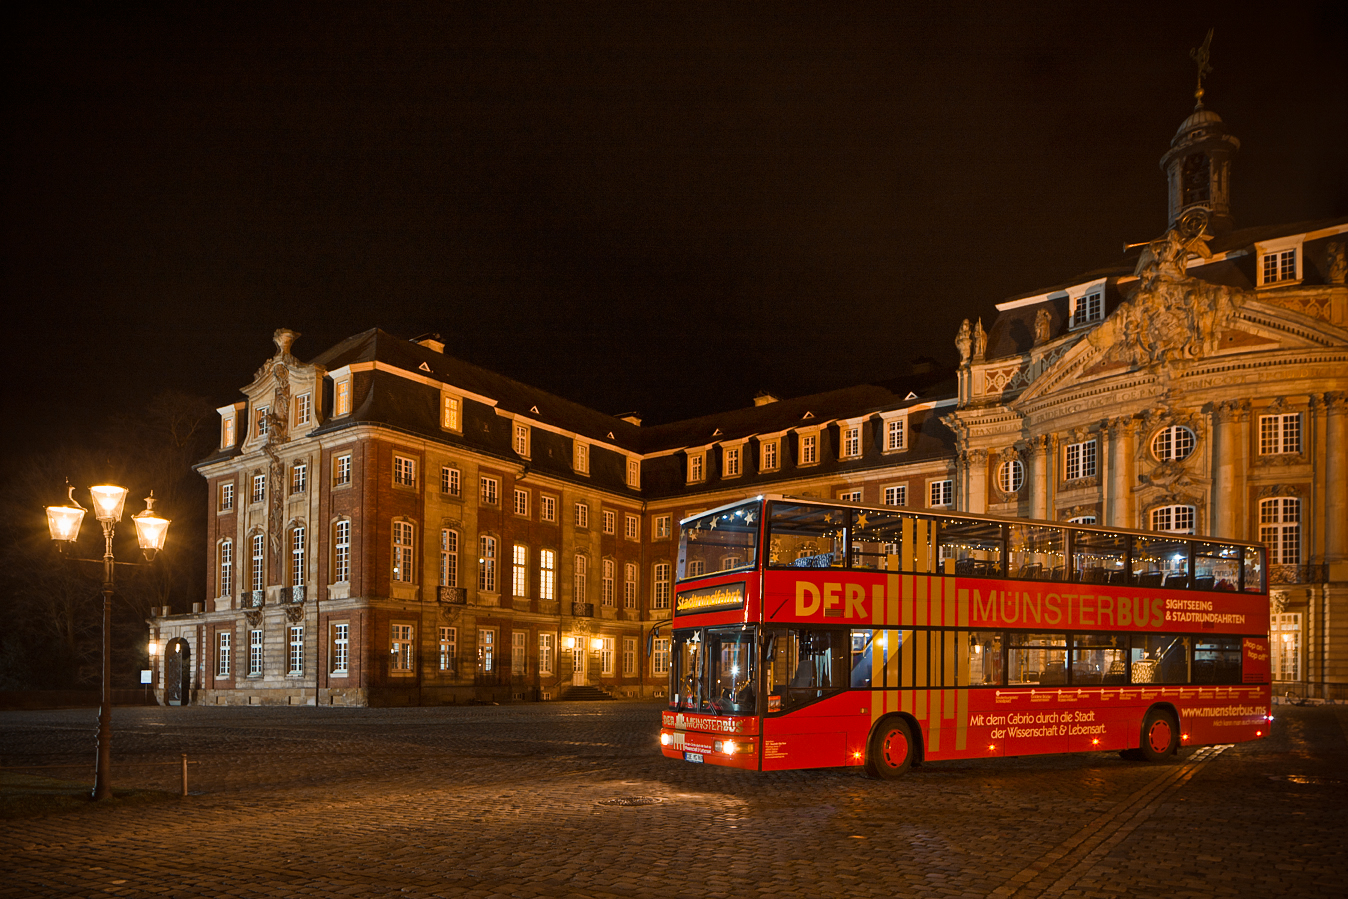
(64, 523)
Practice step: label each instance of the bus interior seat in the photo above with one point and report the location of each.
(1204, 583)
(1176, 581)
(1149, 579)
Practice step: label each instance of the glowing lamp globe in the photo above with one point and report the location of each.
(108, 501)
(64, 522)
(150, 528)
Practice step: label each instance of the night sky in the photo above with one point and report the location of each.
(662, 208)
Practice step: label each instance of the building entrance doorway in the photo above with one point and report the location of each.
(578, 659)
(177, 672)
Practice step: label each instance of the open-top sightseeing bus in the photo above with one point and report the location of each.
(811, 634)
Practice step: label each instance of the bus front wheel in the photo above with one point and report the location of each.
(892, 749)
(1160, 736)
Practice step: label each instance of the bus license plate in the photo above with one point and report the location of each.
(692, 757)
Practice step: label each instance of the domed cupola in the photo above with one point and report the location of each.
(1198, 164)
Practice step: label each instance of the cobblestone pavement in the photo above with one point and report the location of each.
(535, 800)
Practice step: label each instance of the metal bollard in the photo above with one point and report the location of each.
(184, 775)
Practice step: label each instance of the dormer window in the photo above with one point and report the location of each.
(521, 440)
(303, 409)
(227, 434)
(696, 467)
(1089, 307)
(341, 396)
(261, 419)
(582, 458)
(449, 412)
(1279, 261)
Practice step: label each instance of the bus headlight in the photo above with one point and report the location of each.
(665, 739)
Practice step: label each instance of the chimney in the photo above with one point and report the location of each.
(763, 398)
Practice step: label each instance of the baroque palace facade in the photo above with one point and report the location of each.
(396, 526)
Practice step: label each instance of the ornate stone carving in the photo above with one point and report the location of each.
(1272, 490)
(980, 340)
(1338, 261)
(1277, 601)
(964, 341)
(1042, 323)
(295, 612)
(254, 618)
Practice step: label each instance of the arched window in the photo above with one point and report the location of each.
(1172, 443)
(1280, 529)
(1011, 476)
(486, 564)
(1174, 519)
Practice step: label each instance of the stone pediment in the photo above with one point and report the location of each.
(275, 386)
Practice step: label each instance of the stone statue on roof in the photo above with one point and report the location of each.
(964, 341)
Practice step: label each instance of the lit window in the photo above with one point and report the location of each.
(730, 465)
(226, 496)
(606, 593)
(488, 490)
(303, 409)
(341, 396)
(404, 472)
(631, 529)
(522, 502)
(660, 656)
(341, 470)
(400, 648)
(1082, 519)
(545, 654)
(449, 557)
(768, 452)
(522, 439)
(1285, 642)
(1079, 460)
(629, 585)
(486, 564)
(606, 656)
(519, 570)
(296, 649)
(610, 522)
(695, 467)
(661, 577)
(403, 565)
(633, 474)
(896, 495)
(450, 481)
(1279, 434)
(1174, 519)
(1011, 476)
(449, 650)
(341, 552)
(582, 457)
(227, 431)
(486, 649)
(1280, 529)
(1172, 443)
(449, 412)
(851, 441)
(941, 493)
(547, 574)
(223, 665)
(547, 508)
(341, 648)
(809, 449)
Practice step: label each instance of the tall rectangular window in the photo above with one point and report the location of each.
(449, 557)
(262, 420)
(582, 515)
(1280, 529)
(851, 441)
(610, 521)
(400, 648)
(227, 432)
(730, 462)
(896, 432)
(545, 654)
(580, 572)
(629, 656)
(255, 652)
(450, 481)
(522, 502)
(522, 439)
(486, 564)
(341, 648)
(547, 574)
(296, 649)
(259, 488)
(629, 585)
(606, 656)
(404, 472)
(662, 585)
(341, 552)
(259, 572)
(403, 556)
(449, 412)
(547, 508)
(223, 664)
(297, 548)
(519, 652)
(633, 474)
(582, 457)
(942, 493)
(341, 396)
(606, 592)
(303, 409)
(341, 470)
(660, 656)
(695, 469)
(299, 477)
(227, 496)
(809, 449)
(226, 567)
(1285, 641)
(768, 453)
(631, 527)
(1079, 460)
(661, 527)
(489, 490)
(519, 580)
(449, 651)
(486, 649)
(896, 495)
(1280, 434)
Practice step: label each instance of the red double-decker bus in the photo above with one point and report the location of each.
(814, 634)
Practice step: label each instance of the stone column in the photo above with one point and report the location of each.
(1122, 435)
(1041, 469)
(976, 464)
(1336, 483)
(1224, 457)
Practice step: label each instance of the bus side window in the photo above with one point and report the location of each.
(1160, 659)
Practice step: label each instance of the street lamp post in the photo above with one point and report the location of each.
(64, 524)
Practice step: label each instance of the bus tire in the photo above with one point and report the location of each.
(1160, 735)
(892, 749)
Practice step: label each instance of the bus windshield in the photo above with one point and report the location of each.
(712, 670)
(724, 540)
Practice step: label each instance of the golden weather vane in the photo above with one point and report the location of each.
(1201, 56)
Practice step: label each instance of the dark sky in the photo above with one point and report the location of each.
(661, 208)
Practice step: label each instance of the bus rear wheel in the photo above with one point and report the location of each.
(892, 749)
(1160, 736)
